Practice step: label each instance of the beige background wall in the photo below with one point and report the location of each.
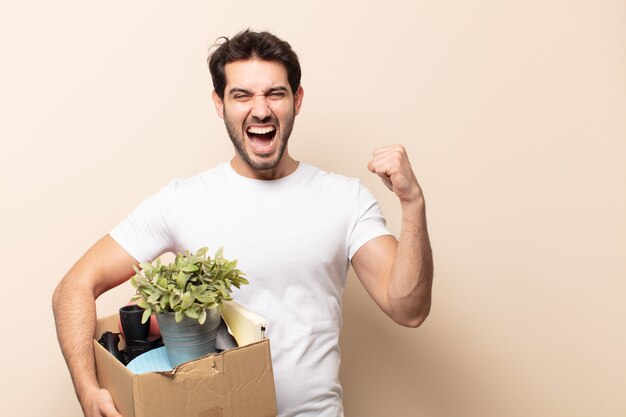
(514, 117)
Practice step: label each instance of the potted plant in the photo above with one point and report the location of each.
(186, 296)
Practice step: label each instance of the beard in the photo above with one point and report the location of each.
(260, 162)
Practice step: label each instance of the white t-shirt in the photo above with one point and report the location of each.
(293, 238)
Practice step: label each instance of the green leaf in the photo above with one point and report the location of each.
(190, 268)
(202, 252)
(206, 298)
(192, 313)
(162, 283)
(199, 290)
(202, 316)
(154, 297)
(220, 253)
(146, 315)
(164, 300)
(139, 280)
(178, 316)
(181, 279)
(187, 301)
(175, 300)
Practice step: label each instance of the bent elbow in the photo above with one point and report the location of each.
(61, 295)
(56, 298)
(413, 318)
(414, 321)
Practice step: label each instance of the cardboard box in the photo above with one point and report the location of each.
(234, 383)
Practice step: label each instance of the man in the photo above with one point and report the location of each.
(293, 228)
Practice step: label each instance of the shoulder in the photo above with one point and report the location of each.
(342, 187)
(338, 186)
(198, 182)
(329, 179)
(183, 191)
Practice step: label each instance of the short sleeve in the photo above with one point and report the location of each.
(369, 223)
(146, 233)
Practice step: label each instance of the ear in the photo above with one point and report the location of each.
(297, 99)
(219, 104)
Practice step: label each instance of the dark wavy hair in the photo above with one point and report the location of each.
(248, 44)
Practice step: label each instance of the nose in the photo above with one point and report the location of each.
(260, 108)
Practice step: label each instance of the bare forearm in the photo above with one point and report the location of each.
(399, 274)
(410, 283)
(75, 315)
(104, 266)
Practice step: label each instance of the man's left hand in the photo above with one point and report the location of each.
(392, 165)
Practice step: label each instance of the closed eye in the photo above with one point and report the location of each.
(276, 95)
(239, 94)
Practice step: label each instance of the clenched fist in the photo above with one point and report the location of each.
(392, 165)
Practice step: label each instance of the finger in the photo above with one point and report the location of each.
(107, 407)
(108, 410)
(397, 160)
(386, 163)
(384, 177)
(393, 159)
(391, 148)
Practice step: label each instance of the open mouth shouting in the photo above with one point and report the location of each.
(261, 138)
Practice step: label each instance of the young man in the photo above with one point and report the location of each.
(294, 229)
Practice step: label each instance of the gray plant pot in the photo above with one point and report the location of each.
(188, 339)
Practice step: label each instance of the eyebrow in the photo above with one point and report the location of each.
(281, 89)
(235, 90)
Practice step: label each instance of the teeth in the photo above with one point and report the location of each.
(261, 130)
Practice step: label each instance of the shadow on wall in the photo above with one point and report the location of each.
(392, 370)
